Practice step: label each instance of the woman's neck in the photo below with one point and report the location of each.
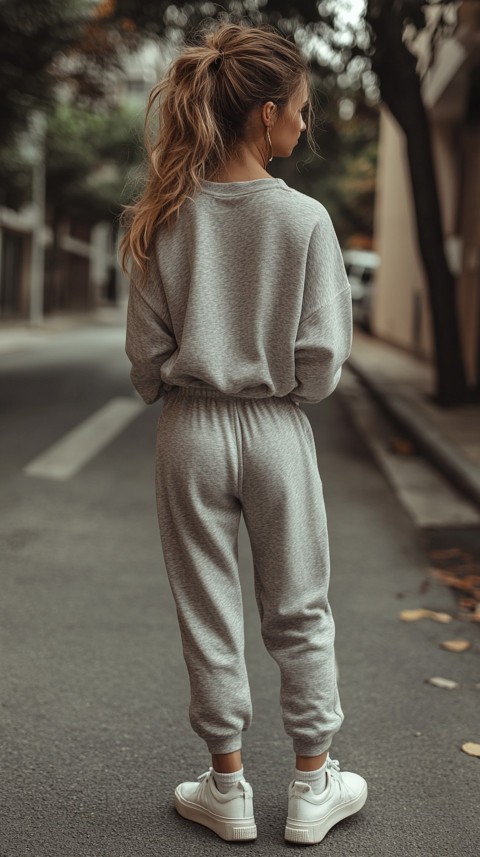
(239, 176)
(243, 168)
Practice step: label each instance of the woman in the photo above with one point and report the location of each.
(239, 309)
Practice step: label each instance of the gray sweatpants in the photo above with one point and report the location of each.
(217, 455)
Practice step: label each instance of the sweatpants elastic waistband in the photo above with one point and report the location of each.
(212, 393)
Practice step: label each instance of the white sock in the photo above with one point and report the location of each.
(224, 782)
(316, 779)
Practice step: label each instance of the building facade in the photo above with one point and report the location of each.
(451, 94)
(51, 263)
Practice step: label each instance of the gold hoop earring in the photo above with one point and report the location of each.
(269, 142)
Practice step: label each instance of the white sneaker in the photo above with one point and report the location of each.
(310, 815)
(229, 815)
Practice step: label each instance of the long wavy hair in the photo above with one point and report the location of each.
(202, 104)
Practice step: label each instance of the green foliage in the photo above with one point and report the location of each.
(162, 18)
(31, 35)
(89, 159)
(349, 185)
(15, 177)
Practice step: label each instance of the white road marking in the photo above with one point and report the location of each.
(65, 458)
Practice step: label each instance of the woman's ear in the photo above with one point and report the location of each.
(269, 111)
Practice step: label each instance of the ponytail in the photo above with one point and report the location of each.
(202, 105)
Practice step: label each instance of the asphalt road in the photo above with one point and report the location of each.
(94, 693)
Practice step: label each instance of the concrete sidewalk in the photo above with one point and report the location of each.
(403, 386)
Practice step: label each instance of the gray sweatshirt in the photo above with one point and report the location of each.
(247, 294)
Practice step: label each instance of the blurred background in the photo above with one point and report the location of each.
(94, 700)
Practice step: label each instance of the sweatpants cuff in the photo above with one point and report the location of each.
(225, 745)
(306, 748)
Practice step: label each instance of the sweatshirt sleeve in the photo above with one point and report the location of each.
(324, 337)
(149, 338)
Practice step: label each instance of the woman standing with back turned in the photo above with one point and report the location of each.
(239, 309)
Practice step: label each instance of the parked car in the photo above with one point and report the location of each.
(360, 266)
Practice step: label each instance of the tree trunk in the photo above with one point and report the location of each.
(400, 89)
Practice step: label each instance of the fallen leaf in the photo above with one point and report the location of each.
(446, 683)
(456, 645)
(471, 748)
(438, 617)
(475, 617)
(466, 568)
(422, 613)
(446, 553)
(467, 602)
(468, 583)
(412, 615)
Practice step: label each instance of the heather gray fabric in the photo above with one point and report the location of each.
(245, 313)
(217, 455)
(247, 294)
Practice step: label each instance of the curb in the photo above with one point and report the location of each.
(441, 452)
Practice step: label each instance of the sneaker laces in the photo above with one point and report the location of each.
(334, 767)
(205, 775)
(333, 764)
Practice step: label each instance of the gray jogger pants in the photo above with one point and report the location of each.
(217, 455)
